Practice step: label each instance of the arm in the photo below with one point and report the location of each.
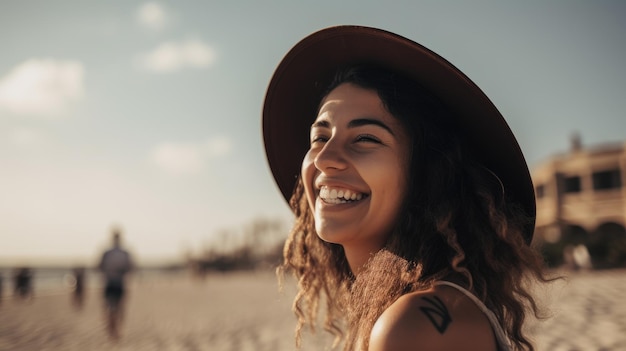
(130, 264)
(435, 320)
(101, 264)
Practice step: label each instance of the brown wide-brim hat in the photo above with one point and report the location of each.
(294, 93)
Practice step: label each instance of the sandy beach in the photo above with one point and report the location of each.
(245, 311)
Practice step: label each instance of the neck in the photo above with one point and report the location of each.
(356, 263)
(358, 256)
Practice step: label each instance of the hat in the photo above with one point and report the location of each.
(293, 95)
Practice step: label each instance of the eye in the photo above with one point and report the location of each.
(318, 139)
(367, 138)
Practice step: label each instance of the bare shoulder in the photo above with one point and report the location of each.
(438, 319)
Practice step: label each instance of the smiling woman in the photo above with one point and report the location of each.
(413, 202)
(357, 149)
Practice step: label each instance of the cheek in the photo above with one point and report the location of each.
(386, 171)
(391, 180)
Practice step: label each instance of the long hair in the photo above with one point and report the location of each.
(456, 220)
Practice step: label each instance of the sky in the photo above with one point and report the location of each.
(147, 115)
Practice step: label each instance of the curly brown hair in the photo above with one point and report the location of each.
(456, 221)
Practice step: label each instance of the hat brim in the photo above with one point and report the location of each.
(298, 83)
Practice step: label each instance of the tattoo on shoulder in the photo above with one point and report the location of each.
(437, 313)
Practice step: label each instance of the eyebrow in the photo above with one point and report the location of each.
(359, 122)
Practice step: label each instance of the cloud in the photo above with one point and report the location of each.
(152, 16)
(173, 56)
(189, 158)
(42, 86)
(178, 158)
(217, 147)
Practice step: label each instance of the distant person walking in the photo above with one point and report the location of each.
(78, 274)
(23, 279)
(1, 287)
(115, 264)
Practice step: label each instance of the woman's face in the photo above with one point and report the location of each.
(355, 173)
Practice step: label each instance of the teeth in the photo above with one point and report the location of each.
(337, 196)
(333, 194)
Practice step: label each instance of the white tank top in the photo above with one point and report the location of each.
(504, 344)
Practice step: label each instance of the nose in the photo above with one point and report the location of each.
(330, 157)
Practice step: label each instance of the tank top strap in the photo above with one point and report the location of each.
(504, 344)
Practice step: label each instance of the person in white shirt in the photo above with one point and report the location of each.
(115, 264)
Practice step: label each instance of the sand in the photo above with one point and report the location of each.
(244, 311)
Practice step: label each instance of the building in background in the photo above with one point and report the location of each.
(581, 206)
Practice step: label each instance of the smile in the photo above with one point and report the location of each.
(339, 195)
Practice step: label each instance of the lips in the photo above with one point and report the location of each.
(334, 195)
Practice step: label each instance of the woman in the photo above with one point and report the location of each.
(414, 206)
